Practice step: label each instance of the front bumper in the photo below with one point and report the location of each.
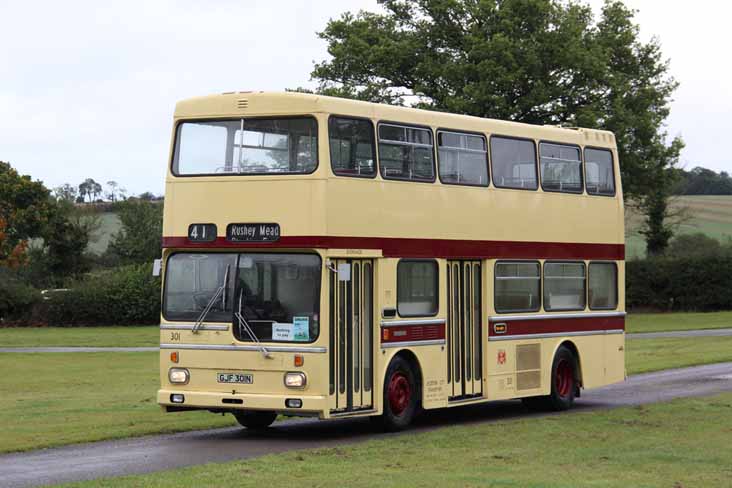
(311, 404)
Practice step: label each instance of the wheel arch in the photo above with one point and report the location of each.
(411, 358)
(573, 348)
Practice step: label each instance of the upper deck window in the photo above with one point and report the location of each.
(561, 168)
(463, 158)
(514, 163)
(246, 146)
(352, 147)
(599, 172)
(405, 153)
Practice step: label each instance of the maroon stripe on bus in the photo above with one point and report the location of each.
(424, 248)
(558, 325)
(412, 333)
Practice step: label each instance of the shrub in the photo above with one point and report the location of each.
(680, 284)
(17, 300)
(128, 295)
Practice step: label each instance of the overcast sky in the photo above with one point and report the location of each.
(87, 89)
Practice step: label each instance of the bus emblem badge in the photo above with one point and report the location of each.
(501, 356)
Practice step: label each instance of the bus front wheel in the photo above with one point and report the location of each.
(564, 384)
(255, 420)
(400, 396)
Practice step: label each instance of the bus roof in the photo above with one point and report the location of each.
(249, 103)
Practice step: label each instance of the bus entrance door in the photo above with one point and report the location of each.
(464, 343)
(350, 349)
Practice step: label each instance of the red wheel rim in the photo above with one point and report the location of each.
(399, 393)
(564, 378)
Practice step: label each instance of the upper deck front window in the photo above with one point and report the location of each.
(246, 146)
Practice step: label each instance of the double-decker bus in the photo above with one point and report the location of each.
(334, 258)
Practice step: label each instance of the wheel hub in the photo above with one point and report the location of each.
(564, 378)
(399, 393)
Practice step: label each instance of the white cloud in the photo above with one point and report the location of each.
(88, 88)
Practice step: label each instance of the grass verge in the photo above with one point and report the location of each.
(54, 399)
(149, 335)
(676, 444)
(645, 355)
(80, 336)
(662, 322)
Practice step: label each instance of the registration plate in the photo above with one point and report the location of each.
(246, 379)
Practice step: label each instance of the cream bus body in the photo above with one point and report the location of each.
(380, 222)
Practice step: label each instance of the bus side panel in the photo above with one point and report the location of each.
(431, 359)
(614, 358)
(511, 375)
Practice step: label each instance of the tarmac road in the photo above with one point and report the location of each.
(155, 453)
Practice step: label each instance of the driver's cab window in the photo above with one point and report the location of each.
(277, 296)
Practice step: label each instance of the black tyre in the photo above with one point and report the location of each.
(401, 396)
(255, 420)
(564, 384)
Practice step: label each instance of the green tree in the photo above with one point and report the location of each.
(140, 239)
(534, 61)
(91, 189)
(65, 192)
(25, 208)
(69, 232)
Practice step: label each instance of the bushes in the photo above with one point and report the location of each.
(18, 301)
(680, 284)
(128, 295)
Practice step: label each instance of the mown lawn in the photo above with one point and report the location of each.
(684, 443)
(644, 355)
(148, 335)
(660, 322)
(55, 399)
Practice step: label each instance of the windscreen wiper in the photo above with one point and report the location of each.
(220, 292)
(243, 324)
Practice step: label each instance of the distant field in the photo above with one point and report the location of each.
(711, 215)
(99, 241)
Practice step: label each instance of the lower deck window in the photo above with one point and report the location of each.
(564, 286)
(517, 287)
(603, 286)
(417, 288)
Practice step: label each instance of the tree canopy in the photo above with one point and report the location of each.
(25, 209)
(534, 61)
(140, 238)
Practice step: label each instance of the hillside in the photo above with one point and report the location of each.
(109, 225)
(709, 214)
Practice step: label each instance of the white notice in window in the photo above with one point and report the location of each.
(282, 332)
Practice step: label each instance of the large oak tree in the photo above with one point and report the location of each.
(534, 61)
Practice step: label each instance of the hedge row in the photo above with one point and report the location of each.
(130, 295)
(679, 284)
(127, 295)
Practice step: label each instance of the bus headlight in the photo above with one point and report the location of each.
(178, 376)
(295, 380)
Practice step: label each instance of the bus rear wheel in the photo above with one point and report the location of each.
(564, 384)
(400, 396)
(255, 420)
